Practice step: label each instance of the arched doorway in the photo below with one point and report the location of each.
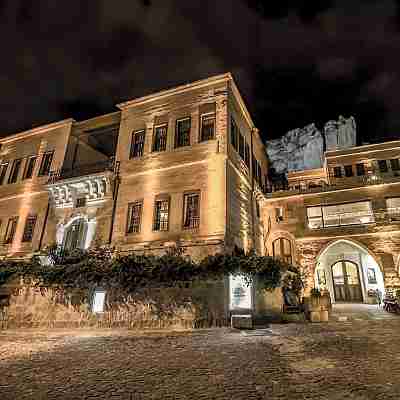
(349, 272)
(346, 282)
(75, 235)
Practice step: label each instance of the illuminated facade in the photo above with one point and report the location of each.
(184, 166)
(340, 223)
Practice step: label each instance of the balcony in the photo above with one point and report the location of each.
(83, 185)
(82, 170)
(282, 189)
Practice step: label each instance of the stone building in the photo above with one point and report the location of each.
(185, 166)
(340, 223)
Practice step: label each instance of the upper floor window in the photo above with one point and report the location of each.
(360, 167)
(382, 165)
(29, 228)
(182, 132)
(340, 215)
(10, 231)
(29, 167)
(279, 214)
(337, 172)
(137, 144)
(371, 274)
(160, 138)
(247, 155)
(348, 170)
(3, 171)
(395, 164)
(46, 163)
(393, 206)
(234, 135)
(134, 217)
(161, 215)
(15, 171)
(241, 145)
(207, 127)
(282, 248)
(191, 210)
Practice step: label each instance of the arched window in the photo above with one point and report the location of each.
(282, 248)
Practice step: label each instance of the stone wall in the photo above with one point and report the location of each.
(204, 305)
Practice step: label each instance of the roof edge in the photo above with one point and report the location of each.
(37, 130)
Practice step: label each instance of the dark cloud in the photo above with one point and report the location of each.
(295, 62)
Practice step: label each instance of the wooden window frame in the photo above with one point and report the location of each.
(288, 258)
(157, 224)
(27, 164)
(42, 171)
(156, 146)
(234, 135)
(394, 164)
(135, 150)
(129, 225)
(340, 174)
(12, 225)
(196, 225)
(212, 116)
(3, 172)
(178, 141)
(348, 171)
(360, 167)
(11, 178)
(27, 236)
(383, 166)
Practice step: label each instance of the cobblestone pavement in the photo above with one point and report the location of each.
(358, 360)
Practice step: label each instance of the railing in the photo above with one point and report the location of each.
(82, 170)
(282, 188)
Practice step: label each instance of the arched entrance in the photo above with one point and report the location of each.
(349, 272)
(346, 281)
(78, 233)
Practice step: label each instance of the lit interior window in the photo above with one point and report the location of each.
(98, 301)
(240, 293)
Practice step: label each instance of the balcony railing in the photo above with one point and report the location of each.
(282, 188)
(82, 170)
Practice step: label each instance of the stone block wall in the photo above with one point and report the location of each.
(201, 306)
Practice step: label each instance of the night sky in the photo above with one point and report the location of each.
(295, 62)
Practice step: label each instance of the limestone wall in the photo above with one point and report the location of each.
(201, 306)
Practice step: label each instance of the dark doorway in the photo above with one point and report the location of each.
(346, 282)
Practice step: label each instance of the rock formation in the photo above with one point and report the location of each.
(303, 148)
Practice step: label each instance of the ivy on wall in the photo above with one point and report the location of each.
(103, 267)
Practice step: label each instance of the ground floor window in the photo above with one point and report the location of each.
(282, 248)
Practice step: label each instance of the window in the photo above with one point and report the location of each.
(137, 144)
(98, 301)
(259, 174)
(258, 209)
(29, 228)
(46, 163)
(161, 215)
(393, 206)
(282, 248)
(382, 165)
(340, 215)
(3, 171)
(191, 210)
(134, 216)
(279, 214)
(182, 132)
(395, 164)
(207, 127)
(348, 170)
(337, 172)
(160, 138)
(29, 167)
(241, 145)
(10, 231)
(80, 202)
(360, 169)
(247, 155)
(371, 276)
(234, 134)
(14, 171)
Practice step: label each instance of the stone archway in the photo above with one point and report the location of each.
(359, 264)
(77, 233)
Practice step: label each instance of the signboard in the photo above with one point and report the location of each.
(240, 293)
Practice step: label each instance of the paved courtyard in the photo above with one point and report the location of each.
(342, 360)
